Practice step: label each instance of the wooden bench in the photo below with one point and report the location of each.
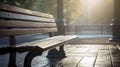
(16, 21)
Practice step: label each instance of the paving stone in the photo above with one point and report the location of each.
(69, 62)
(87, 60)
(103, 53)
(116, 61)
(115, 53)
(91, 53)
(113, 47)
(103, 60)
(116, 65)
(102, 65)
(66, 65)
(85, 65)
(75, 54)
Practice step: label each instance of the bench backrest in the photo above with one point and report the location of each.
(16, 21)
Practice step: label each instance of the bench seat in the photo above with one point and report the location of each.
(39, 45)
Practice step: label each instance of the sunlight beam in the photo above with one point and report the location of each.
(90, 3)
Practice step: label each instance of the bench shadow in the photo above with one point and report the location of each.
(54, 56)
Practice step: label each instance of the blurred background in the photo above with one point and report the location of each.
(81, 17)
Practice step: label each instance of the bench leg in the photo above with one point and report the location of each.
(12, 57)
(62, 52)
(29, 57)
(12, 60)
(54, 56)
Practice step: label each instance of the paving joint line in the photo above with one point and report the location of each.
(83, 57)
(96, 58)
(111, 57)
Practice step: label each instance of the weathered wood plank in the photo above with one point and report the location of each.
(24, 17)
(50, 43)
(16, 32)
(23, 11)
(26, 24)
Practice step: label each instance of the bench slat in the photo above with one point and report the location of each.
(23, 11)
(56, 41)
(49, 43)
(26, 24)
(16, 32)
(24, 17)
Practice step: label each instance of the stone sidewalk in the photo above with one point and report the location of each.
(91, 56)
(80, 55)
(87, 55)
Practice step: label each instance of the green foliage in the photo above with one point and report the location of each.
(71, 7)
(20, 3)
(45, 6)
(71, 10)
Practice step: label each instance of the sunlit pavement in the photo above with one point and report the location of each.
(92, 56)
(83, 56)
